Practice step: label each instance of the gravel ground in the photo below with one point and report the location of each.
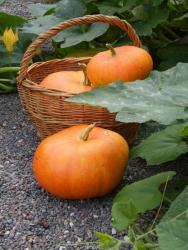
(18, 7)
(30, 218)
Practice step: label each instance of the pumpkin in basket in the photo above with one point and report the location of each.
(125, 63)
(81, 162)
(68, 81)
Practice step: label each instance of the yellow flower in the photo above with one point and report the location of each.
(9, 38)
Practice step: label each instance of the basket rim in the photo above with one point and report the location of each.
(33, 86)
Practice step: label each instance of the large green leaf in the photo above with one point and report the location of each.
(166, 145)
(7, 20)
(14, 58)
(175, 189)
(143, 16)
(172, 235)
(185, 131)
(2, 1)
(76, 35)
(178, 207)
(107, 242)
(130, 4)
(162, 97)
(39, 9)
(110, 7)
(174, 225)
(41, 24)
(138, 197)
(64, 10)
(157, 2)
(67, 9)
(124, 213)
(146, 18)
(80, 50)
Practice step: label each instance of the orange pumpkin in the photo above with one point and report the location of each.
(81, 162)
(125, 63)
(68, 81)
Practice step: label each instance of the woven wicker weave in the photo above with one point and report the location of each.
(47, 108)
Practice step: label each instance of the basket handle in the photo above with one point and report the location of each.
(88, 19)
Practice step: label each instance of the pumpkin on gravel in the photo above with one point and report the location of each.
(81, 162)
(125, 63)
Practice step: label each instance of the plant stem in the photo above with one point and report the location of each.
(167, 199)
(89, 243)
(5, 80)
(171, 32)
(85, 133)
(142, 233)
(161, 203)
(151, 246)
(110, 47)
(6, 89)
(83, 67)
(179, 215)
(163, 37)
(9, 69)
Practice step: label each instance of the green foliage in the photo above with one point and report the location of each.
(174, 225)
(107, 242)
(137, 198)
(146, 18)
(171, 232)
(7, 79)
(70, 9)
(185, 131)
(77, 35)
(62, 11)
(7, 20)
(40, 25)
(158, 23)
(162, 97)
(175, 189)
(124, 213)
(172, 235)
(178, 208)
(39, 9)
(173, 53)
(166, 145)
(161, 25)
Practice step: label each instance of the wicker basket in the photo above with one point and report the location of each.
(47, 108)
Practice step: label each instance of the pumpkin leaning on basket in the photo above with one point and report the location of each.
(81, 162)
(73, 82)
(125, 63)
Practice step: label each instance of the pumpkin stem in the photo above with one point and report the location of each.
(85, 133)
(83, 67)
(110, 47)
